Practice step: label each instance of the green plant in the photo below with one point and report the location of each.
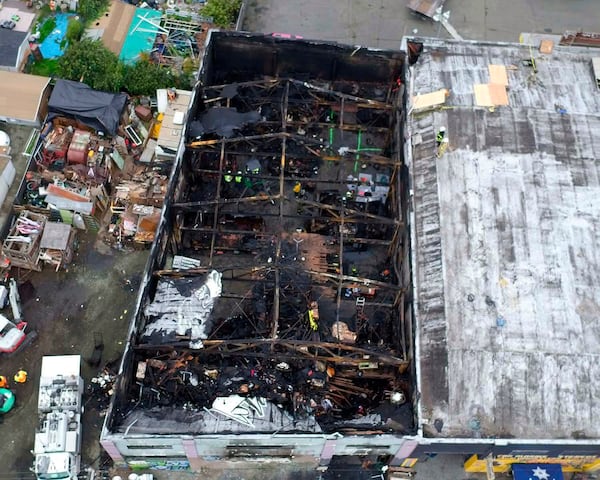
(92, 9)
(223, 12)
(47, 28)
(46, 67)
(91, 62)
(74, 30)
(144, 77)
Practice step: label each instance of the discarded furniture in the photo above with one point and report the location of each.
(56, 245)
(22, 245)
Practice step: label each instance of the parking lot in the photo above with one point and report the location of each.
(382, 23)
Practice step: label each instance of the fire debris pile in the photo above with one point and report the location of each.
(95, 169)
(100, 389)
(277, 297)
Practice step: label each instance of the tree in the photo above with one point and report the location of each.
(92, 63)
(223, 12)
(92, 9)
(74, 30)
(144, 77)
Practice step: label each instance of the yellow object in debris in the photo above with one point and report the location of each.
(297, 187)
(314, 324)
(156, 127)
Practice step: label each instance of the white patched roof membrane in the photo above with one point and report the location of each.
(506, 237)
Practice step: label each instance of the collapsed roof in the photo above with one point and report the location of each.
(277, 294)
(98, 110)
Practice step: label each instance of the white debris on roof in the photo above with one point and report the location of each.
(182, 307)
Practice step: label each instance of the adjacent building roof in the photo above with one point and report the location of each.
(506, 239)
(115, 24)
(174, 116)
(143, 28)
(10, 42)
(21, 95)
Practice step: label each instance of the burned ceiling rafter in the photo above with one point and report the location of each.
(325, 351)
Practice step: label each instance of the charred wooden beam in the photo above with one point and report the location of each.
(326, 351)
(352, 279)
(218, 141)
(347, 240)
(276, 292)
(271, 82)
(362, 102)
(347, 127)
(350, 211)
(216, 212)
(222, 201)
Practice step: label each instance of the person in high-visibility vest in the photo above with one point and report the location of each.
(3, 382)
(228, 177)
(238, 177)
(20, 376)
(439, 138)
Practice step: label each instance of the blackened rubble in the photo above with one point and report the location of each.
(299, 209)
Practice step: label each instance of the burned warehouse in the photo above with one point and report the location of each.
(275, 315)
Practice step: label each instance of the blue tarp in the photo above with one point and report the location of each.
(537, 471)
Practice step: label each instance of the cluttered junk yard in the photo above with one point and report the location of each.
(96, 167)
(277, 297)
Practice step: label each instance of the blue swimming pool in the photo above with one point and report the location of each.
(50, 47)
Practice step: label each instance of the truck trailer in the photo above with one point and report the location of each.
(57, 447)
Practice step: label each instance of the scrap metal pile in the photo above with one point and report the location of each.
(290, 193)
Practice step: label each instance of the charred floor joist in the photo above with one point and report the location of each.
(279, 280)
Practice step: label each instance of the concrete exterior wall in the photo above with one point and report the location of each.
(18, 121)
(206, 449)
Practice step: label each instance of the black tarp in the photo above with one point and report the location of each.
(98, 110)
(223, 121)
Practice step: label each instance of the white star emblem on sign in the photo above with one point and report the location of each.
(540, 473)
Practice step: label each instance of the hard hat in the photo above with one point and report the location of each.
(442, 129)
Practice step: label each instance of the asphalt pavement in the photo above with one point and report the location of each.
(383, 23)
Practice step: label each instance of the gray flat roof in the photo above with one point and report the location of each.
(506, 235)
(10, 41)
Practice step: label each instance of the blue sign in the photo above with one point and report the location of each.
(537, 471)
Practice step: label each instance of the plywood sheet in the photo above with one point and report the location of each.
(498, 94)
(482, 95)
(546, 46)
(490, 95)
(430, 100)
(498, 74)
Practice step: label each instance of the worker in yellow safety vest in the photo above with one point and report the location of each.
(439, 138)
(228, 177)
(238, 177)
(297, 189)
(20, 376)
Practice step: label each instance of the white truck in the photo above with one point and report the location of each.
(57, 447)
